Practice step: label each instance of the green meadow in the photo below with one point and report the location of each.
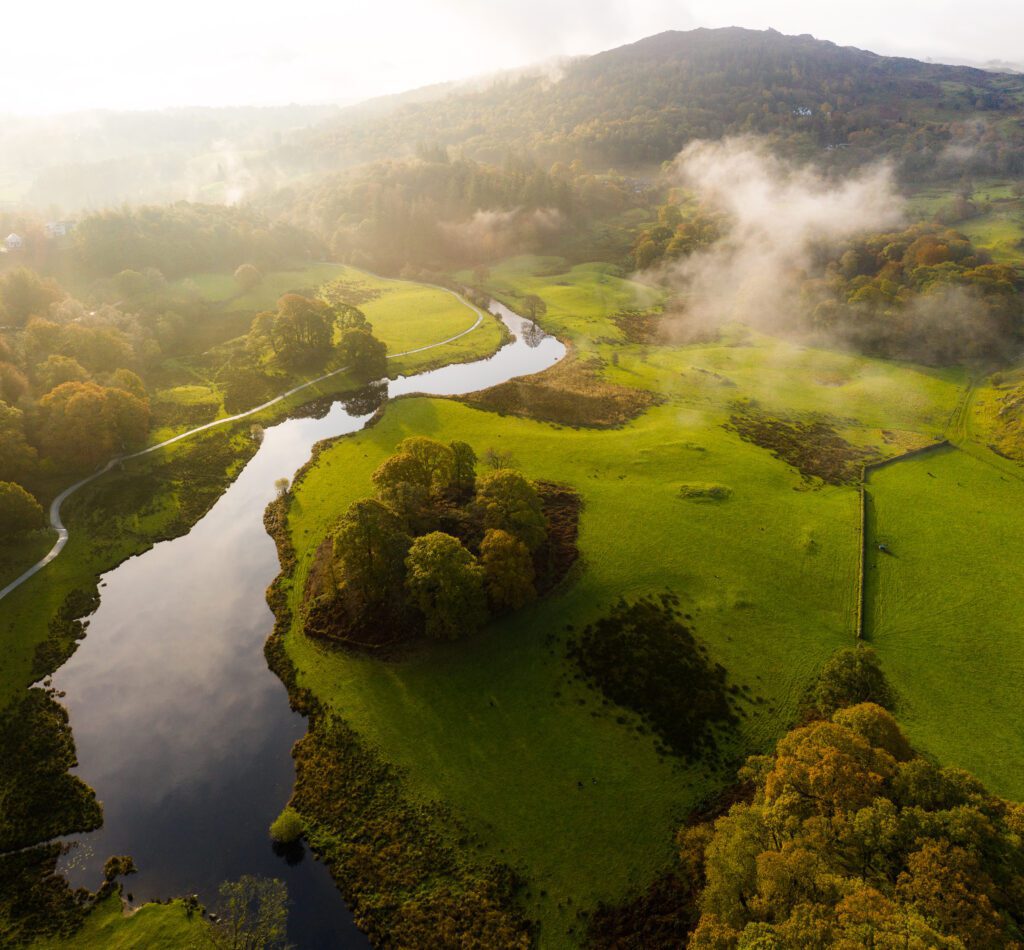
(944, 608)
(497, 726)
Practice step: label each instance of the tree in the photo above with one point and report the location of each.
(852, 840)
(534, 306)
(17, 457)
(347, 317)
(370, 547)
(463, 480)
(508, 569)
(403, 484)
(436, 459)
(24, 294)
(13, 384)
(446, 584)
(248, 276)
(57, 369)
(301, 331)
(252, 914)
(364, 354)
(83, 424)
(850, 676)
(287, 827)
(508, 501)
(19, 511)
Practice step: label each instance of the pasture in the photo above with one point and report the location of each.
(497, 726)
(944, 608)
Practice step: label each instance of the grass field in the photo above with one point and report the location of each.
(496, 726)
(998, 232)
(152, 926)
(944, 610)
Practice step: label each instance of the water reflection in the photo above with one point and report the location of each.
(180, 727)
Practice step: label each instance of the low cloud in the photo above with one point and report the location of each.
(780, 218)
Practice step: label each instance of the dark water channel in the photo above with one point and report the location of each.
(180, 726)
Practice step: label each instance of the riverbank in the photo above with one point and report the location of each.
(139, 503)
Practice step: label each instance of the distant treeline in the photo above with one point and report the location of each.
(434, 211)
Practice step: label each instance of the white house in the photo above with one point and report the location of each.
(14, 242)
(58, 228)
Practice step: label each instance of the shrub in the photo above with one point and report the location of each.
(287, 827)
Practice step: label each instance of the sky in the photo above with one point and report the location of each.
(69, 55)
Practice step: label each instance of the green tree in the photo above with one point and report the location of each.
(248, 276)
(446, 584)
(364, 353)
(252, 914)
(436, 459)
(301, 331)
(508, 569)
(402, 483)
(508, 501)
(19, 511)
(534, 306)
(370, 547)
(850, 676)
(463, 480)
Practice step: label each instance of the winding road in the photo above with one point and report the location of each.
(62, 532)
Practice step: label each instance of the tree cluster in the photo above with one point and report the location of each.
(185, 238)
(853, 840)
(435, 552)
(924, 293)
(305, 331)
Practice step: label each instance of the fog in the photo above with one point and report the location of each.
(778, 217)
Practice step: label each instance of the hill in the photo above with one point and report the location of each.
(642, 102)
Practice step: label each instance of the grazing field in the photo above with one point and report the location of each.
(944, 608)
(497, 726)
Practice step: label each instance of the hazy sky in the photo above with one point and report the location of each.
(62, 55)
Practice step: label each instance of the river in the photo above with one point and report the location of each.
(180, 727)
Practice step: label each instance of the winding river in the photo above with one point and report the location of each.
(179, 725)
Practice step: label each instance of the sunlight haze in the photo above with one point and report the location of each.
(234, 53)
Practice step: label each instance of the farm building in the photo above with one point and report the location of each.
(14, 242)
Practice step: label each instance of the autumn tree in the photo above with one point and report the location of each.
(508, 570)
(508, 501)
(57, 369)
(13, 382)
(851, 839)
(370, 546)
(17, 456)
(83, 424)
(24, 294)
(446, 584)
(19, 511)
(364, 354)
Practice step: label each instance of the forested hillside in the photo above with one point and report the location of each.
(643, 102)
